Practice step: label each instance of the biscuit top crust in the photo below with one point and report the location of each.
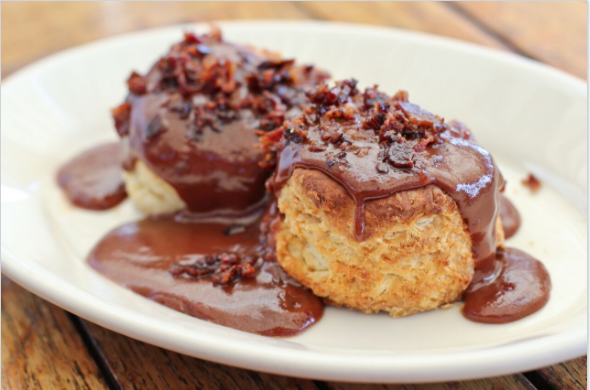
(375, 145)
(193, 118)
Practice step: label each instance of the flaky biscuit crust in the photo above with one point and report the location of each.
(151, 194)
(416, 255)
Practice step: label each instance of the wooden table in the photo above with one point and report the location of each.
(44, 347)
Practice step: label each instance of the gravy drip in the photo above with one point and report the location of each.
(93, 179)
(506, 288)
(139, 256)
(510, 217)
(374, 146)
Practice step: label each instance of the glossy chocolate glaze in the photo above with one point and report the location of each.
(510, 217)
(92, 180)
(375, 146)
(505, 289)
(140, 256)
(193, 119)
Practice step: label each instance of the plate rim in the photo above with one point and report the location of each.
(314, 364)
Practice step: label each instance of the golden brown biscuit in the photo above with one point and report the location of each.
(416, 255)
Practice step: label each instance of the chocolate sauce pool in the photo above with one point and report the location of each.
(92, 180)
(505, 289)
(139, 256)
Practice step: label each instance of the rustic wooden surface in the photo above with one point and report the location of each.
(43, 347)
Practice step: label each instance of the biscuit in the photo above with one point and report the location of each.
(149, 192)
(416, 255)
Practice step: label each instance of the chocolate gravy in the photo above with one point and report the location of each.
(140, 256)
(510, 217)
(505, 289)
(92, 180)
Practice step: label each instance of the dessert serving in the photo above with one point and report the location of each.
(269, 191)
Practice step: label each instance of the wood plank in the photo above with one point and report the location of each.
(32, 30)
(162, 369)
(169, 370)
(570, 375)
(553, 32)
(41, 348)
(429, 17)
(514, 382)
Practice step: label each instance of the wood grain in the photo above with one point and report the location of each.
(570, 375)
(516, 382)
(41, 348)
(553, 32)
(430, 17)
(136, 365)
(161, 369)
(32, 30)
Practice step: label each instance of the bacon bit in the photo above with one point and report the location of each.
(246, 270)
(294, 135)
(137, 84)
(316, 149)
(415, 114)
(336, 138)
(270, 75)
(400, 96)
(121, 117)
(190, 37)
(400, 155)
(372, 96)
(177, 103)
(272, 137)
(324, 96)
(375, 122)
(459, 130)
(532, 183)
(272, 120)
(276, 64)
(421, 145)
(344, 113)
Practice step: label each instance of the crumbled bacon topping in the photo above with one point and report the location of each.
(223, 269)
(342, 116)
(121, 116)
(229, 78)
(532, 182)
(137, 84)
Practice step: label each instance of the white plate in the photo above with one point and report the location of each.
(531, 117)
